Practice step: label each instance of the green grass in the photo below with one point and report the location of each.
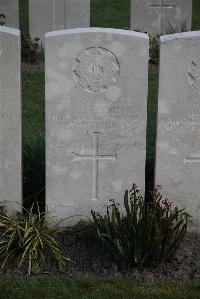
(32, 103)
(24, 20)
(92, 288)
(110, 13)
(151, 112)
(196, 15)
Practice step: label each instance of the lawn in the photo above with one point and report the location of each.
(32, 103)
(196, 15)
(93, 288)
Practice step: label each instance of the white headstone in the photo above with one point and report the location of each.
(178, 138)
(77, 14)
(10, 119)
(50, 15)
(96, 100)
(157, 16)
(10, 8)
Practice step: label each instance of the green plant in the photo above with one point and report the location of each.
(2, 19)
(34, 172)
(28, 239)
(30, 49)
(147, 235)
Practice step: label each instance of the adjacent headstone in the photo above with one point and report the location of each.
(96, 103)
(159, 16)
(77, 14)
(178, 136)
(50, 15)
(10, 8)
(10, 120)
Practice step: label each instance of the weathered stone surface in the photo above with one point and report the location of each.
(44, 16)
(10, 119)
(178, 138)
(157, 16)
(50, 15)
(10, 8)
(77, 14)
(96, 100)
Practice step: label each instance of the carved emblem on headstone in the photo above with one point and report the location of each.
(194, 76)
(96, 69)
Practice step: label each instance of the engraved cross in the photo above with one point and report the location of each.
(163, 4)
(95, 157)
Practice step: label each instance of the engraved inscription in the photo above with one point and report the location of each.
(100, 113)
(4, 116)
(96, 69)
(192, 159)
(194, 76)
(190, 122)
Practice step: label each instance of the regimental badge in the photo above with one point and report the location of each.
(96, 69)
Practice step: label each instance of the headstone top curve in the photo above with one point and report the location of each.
(10, 30)
(180, 35)
(96, 30)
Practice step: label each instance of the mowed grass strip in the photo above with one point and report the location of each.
(93, 288)
(33, 103)
(196, 15)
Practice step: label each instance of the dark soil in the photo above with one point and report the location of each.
(88, 259)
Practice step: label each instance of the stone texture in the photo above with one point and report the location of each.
(178, 136)
(50, 15)
(96, 100)
(156, 16)
(77, 14)
(44, 16)
(10, 8)
(10, 119)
